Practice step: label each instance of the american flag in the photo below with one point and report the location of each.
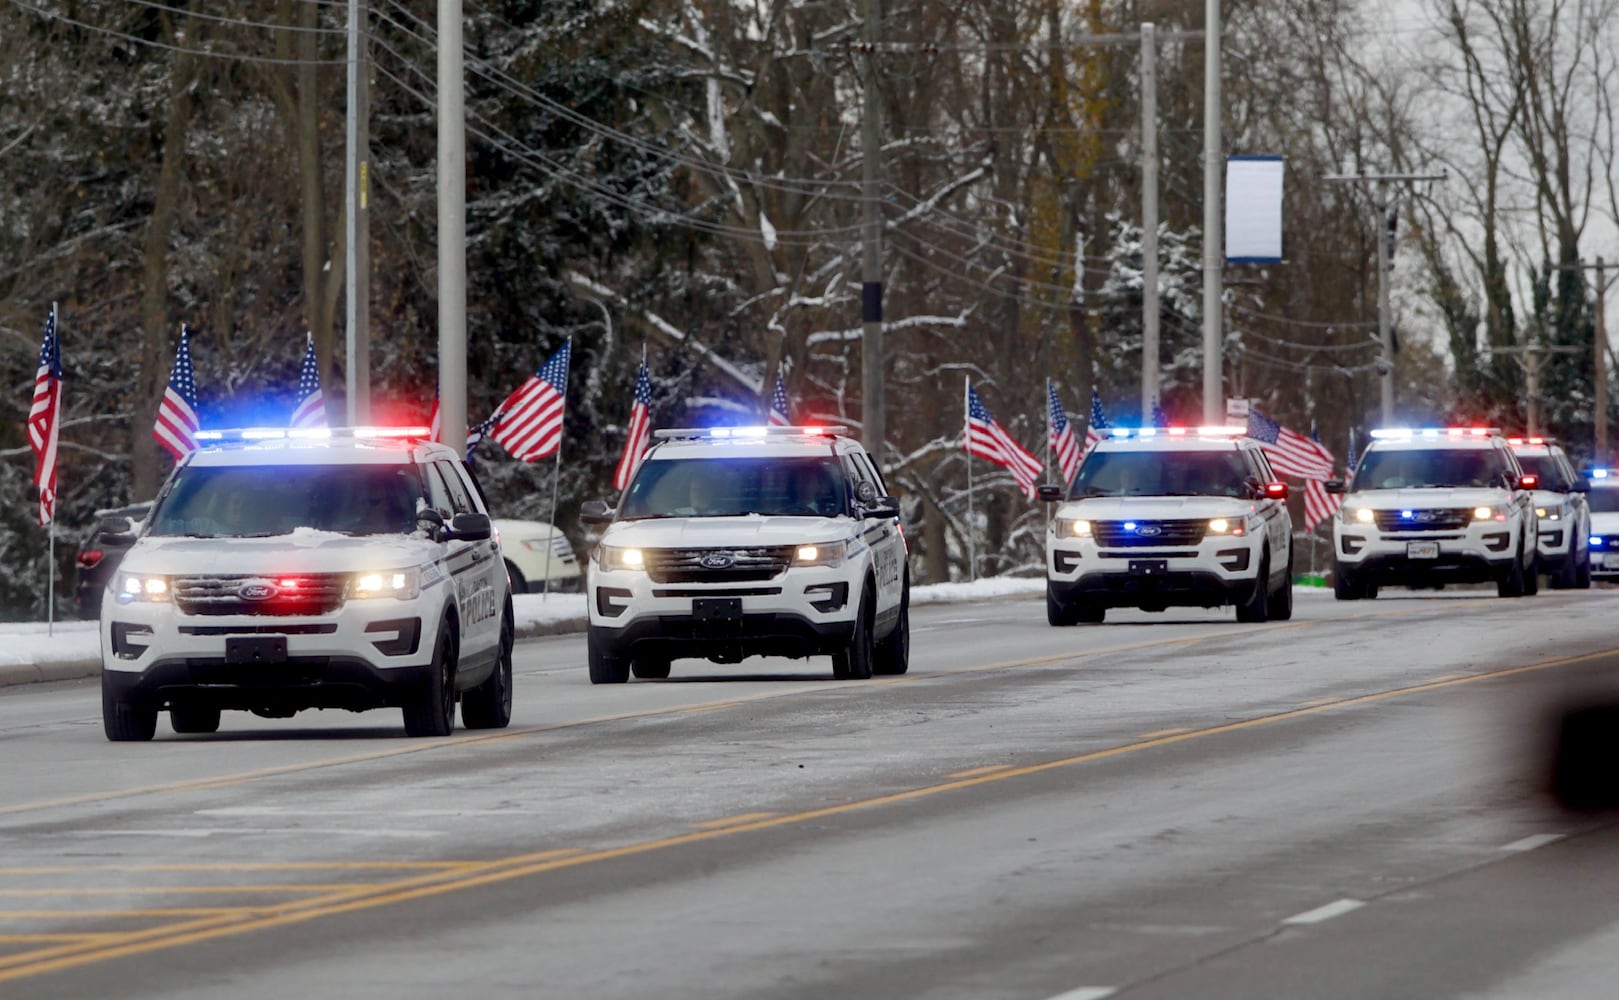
(42, 422)
(640, 427)
(176, 427)
(477, 432)
(435, 428)
(1318, 503)
(1063, 442)
(780, 415)
(987, 439)
(435, 423)
(1098, 428)
(1290, 453)
(311, 410)
(529, 423)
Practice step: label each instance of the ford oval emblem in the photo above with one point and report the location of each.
(1150, 530)
(256, 591)
(1425, 515)
(717, 560)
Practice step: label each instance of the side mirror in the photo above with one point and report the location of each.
(595, 512)
(1581, 486)
(1335, 486)
(471, 527)
(1048, 493)
(117, 526)
(879, 507)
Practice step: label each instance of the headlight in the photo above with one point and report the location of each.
(1495, 512)
(820, 554)
(404, 584)
(614, 557)
(1551, 513)
(1072, 527)
(1365, 515)
(134, 587)
(1222, 526)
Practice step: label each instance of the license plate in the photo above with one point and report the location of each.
(1149, 567)
(717, 609)
(256, 649)
(1422, 550)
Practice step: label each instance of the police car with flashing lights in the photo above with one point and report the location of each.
(1603, 501)
(1432, 506)
(1561, 510)
(1182, 517)
(746, 541)
(285, 570)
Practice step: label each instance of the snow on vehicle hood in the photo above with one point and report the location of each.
(1428, 498)
(1155, 508)
(305, 550)
(746, 531)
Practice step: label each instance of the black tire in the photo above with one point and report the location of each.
(894, 650)
(1582, 575)
(1512, 583)
(1281, 599)
(1565, 577)
(1531, 576)
(1087, 613)
(854, 663)
(489, 705)
(1058, 613)
(1256, 608)
(650, 668)
(190, 719)
(519, 582)
(431, 708)
(123, 721)
(1344, 587)
(605, 668)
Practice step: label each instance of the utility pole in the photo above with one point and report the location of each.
(1529, 357)
(1213, 252)
(452, 230)
(1599, 360)
(1149, 220)
(357, 265)
(871, 254)
(1384, 202)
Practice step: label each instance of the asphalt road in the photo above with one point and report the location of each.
(1347, 805)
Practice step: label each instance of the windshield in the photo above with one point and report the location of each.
(1430, 467)
(1162, 473)
(1604, 501)
(719, 487)
(256, 501)
(1550, 471)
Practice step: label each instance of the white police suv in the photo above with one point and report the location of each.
(1170, 517)
(286, 570)
(741, 541)
(1435, 506)
(1603, 500)
(1561, 510)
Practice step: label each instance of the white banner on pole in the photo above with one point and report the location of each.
(1253, 209)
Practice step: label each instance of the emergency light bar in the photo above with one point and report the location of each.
(1210, 430)
(1530, 440)
(749, 433)
(311, 433)
(1433, 433)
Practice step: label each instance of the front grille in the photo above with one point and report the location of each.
(1123, 534)
(308, 594)
(1432, 519)
(688, 565)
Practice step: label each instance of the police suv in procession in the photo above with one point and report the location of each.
(732, 542)
(1170, 517)
(283, 570)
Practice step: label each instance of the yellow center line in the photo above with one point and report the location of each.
(525, 865)
(239, 866)
(715, 824)
(48, 938)
(186, 890)
(162, 911)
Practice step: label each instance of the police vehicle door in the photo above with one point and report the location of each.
(472, 566)
(887, 545)
(1278, 526)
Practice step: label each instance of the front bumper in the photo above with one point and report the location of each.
(1217, 571)
(1479, 553)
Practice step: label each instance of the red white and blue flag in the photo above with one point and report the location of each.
(1290, 453)
(988, 439)
(780, 415)
(1098, 426)
(529, 423)
(640, 428)
(43, 424)
(311, 409)
(1064, 443)
(176, 426)
(1318, 503)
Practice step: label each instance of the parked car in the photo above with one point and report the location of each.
(536, 553)
(102, 549)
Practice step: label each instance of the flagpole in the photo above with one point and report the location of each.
(972, 555)
(1051, 456)
(50, 576)
(556, 481)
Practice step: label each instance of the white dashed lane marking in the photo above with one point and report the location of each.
(1322, 913)
(1530, 843)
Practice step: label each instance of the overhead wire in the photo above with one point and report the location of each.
(50, 15)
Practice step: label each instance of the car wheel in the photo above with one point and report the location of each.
(519, 582)
(1565, 577)
(1058, 612)
(1281, 599)
(1257, 607)
(650, 668)
(605, 668)
(854, 663)
(193, 719)
(1343, 585)
(125, 721)
(1531, 576)
(1511, 583)
(1089, 613)
(1582, 575)
(431, 709)
(489, 705)
(894, 651)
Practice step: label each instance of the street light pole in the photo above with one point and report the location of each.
(871, 257)
(357, 265)
(452, 230)
(1149, 221)
(1213, 252)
